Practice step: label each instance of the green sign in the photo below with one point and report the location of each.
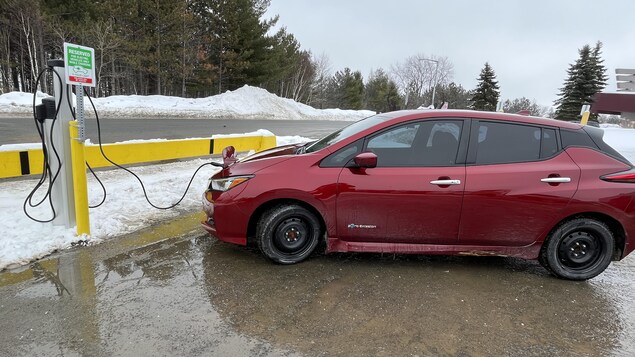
(79, 64)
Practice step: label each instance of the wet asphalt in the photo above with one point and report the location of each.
(171, 290)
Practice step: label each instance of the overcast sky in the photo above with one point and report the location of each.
(529, 43)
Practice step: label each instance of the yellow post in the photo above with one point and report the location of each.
(585, 118)
(79, 179)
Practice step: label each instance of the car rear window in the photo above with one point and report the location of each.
(576, 138)
(592, 138)
(597, 135)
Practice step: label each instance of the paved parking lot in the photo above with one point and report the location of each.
(191, 295)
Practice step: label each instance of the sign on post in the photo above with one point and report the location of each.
(80, 64)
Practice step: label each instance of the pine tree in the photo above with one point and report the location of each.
(237, 49)
(586, 77)
(381, 93)
(486, 94)
(346, 89)
(354, 91)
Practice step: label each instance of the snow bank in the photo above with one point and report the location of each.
(244, 103)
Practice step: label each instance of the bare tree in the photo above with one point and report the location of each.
(519, 104)
(105, 41)
(6, 83)
(419, 73)
(323, 73)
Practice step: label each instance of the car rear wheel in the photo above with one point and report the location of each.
(288, 234)
(578, 249)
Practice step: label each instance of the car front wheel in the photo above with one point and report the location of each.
(578, 249)
(288, 234)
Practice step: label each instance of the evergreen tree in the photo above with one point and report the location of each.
(381, 93)
(347, 90)
(486, 94)
(354, 91)
(586, 77)
(237, 49)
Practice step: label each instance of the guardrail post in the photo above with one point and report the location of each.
(79, 178)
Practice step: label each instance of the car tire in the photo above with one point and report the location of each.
(288, 234)
(578, 249)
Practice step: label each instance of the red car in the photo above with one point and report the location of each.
(435, 182)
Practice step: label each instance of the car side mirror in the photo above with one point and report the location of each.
(366, 160)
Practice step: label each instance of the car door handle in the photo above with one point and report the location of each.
(556, 179)
(445, 182)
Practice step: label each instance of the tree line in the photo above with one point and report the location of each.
(197, 48)
(188, 48)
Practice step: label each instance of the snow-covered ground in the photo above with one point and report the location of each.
(125, 209)
(244, 103)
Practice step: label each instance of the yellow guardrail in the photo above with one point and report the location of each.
(29, 162)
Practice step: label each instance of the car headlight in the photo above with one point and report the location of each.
(227, 183)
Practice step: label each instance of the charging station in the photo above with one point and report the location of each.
(64, 137)
(58, 144)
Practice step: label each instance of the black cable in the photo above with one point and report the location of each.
(46, 169)
(145, 194)
(103, 188)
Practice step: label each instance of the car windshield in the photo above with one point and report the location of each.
(345, 132)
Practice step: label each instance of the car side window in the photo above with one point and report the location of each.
(500, 143)
(342, 156)
(549, 143)
(426, 143)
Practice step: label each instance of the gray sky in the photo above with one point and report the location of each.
(529, 43)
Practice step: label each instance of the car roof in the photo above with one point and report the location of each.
(403, 115)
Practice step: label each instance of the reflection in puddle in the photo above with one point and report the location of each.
(105, 300)
(368, 304)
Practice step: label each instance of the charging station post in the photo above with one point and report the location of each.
(80, 62)
(58, 144)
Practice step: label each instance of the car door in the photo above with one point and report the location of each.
(517, 180)
(414, 195)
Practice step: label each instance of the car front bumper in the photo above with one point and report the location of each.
(210, 223)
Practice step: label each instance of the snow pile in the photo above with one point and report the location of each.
(244, 103)
(20, 102)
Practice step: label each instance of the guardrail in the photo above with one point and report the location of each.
(30, 162)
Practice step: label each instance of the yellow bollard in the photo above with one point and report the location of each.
(585, 118)
(79, 180)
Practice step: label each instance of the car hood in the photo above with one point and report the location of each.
(256, 162)
(277, 151)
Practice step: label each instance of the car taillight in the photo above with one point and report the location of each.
(624, 176)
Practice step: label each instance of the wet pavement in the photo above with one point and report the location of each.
(171, 290)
